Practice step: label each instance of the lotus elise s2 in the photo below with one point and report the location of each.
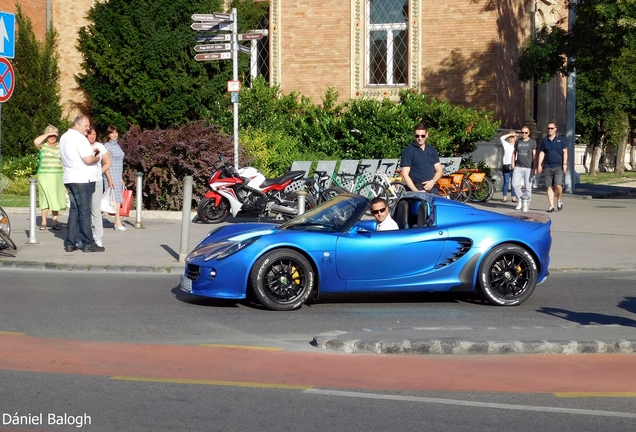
(441, 245)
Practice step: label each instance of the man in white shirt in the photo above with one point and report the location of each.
(79, 159)
(380, 211)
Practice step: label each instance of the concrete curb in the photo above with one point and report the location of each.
(465, 347)
(32, 265)
(146, 214)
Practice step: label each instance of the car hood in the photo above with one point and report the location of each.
(238, 232)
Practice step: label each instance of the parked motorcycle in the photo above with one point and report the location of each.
(248, 190)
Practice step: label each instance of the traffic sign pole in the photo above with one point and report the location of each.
(222, 22)
(235, 78)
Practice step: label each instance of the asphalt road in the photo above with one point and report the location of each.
(151, 309)
(116, 406)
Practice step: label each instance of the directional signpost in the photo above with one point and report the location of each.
(213, 56)
(219, 22)
(250, 36)
(215, 47)
(210, 39)
(212, 26)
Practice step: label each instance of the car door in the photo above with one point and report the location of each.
(387, 259)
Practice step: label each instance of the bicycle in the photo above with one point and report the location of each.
(316, 187)
(481, 187)
(5, 231)
(356, 183)
(454, 185)
(394, 188)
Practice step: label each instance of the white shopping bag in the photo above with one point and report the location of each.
(108, 204)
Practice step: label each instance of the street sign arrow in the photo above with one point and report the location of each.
(217, 38)
(206, 17)
(250, 36)
(211, 26)
(7, 34)
(215, 47)
(223, 16)
(244, 49)
(213, 56)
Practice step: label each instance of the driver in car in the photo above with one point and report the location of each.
(380, 211)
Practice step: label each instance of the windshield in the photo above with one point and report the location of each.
(337, 214)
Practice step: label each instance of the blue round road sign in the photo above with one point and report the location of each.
(7, 80)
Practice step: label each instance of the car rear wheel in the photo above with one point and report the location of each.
(507, 275)
(282, 279)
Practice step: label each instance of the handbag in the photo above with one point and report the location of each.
(108, 203)
(126, 203)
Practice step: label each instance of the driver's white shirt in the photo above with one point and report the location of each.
(388, 224)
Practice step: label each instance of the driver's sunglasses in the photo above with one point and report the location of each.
(378, 211)
(420, 136)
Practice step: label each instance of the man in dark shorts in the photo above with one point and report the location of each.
(553, 163)
(420, 163)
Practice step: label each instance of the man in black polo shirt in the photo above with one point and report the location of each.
(420, 163)
(553, 163)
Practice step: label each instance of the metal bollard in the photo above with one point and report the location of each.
(139, 201)
(525, 201)
(301, 201)
(186, 212)
(32, 205)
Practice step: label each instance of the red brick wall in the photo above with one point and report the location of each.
(468, 50)
(34, 9)
(316, 47)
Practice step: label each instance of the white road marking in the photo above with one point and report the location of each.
(470, 403)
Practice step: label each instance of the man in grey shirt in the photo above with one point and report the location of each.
(522, 163)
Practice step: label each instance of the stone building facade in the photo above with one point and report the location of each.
(461, 50)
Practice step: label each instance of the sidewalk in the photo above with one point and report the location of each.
(605, 224)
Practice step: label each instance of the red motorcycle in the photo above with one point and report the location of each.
(248, 190)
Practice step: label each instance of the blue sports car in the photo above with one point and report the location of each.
(441, 245)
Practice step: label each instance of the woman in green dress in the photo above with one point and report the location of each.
(51, 190)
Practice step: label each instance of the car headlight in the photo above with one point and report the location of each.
(234, 248)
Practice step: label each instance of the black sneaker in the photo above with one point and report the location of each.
(93, 248)
(559, 206)
(70, 248)
(551, 210)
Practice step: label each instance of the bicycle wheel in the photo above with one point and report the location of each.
(395, 192)
(372, 190)
(4, 222)
(6, 240)
(482, 191)
(462, 192)
(329, 193)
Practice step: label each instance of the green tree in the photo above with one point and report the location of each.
(601, 47)
(139, 65)
(36, 98)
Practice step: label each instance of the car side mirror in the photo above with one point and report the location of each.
(367, 225)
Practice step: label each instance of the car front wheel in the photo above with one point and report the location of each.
(282, 279)
(507, 275)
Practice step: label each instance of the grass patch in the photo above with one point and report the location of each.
(14, 200)
(608, 178)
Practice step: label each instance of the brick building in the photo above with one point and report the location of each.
(461, 50)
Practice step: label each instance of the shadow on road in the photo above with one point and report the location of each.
(589, 318)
